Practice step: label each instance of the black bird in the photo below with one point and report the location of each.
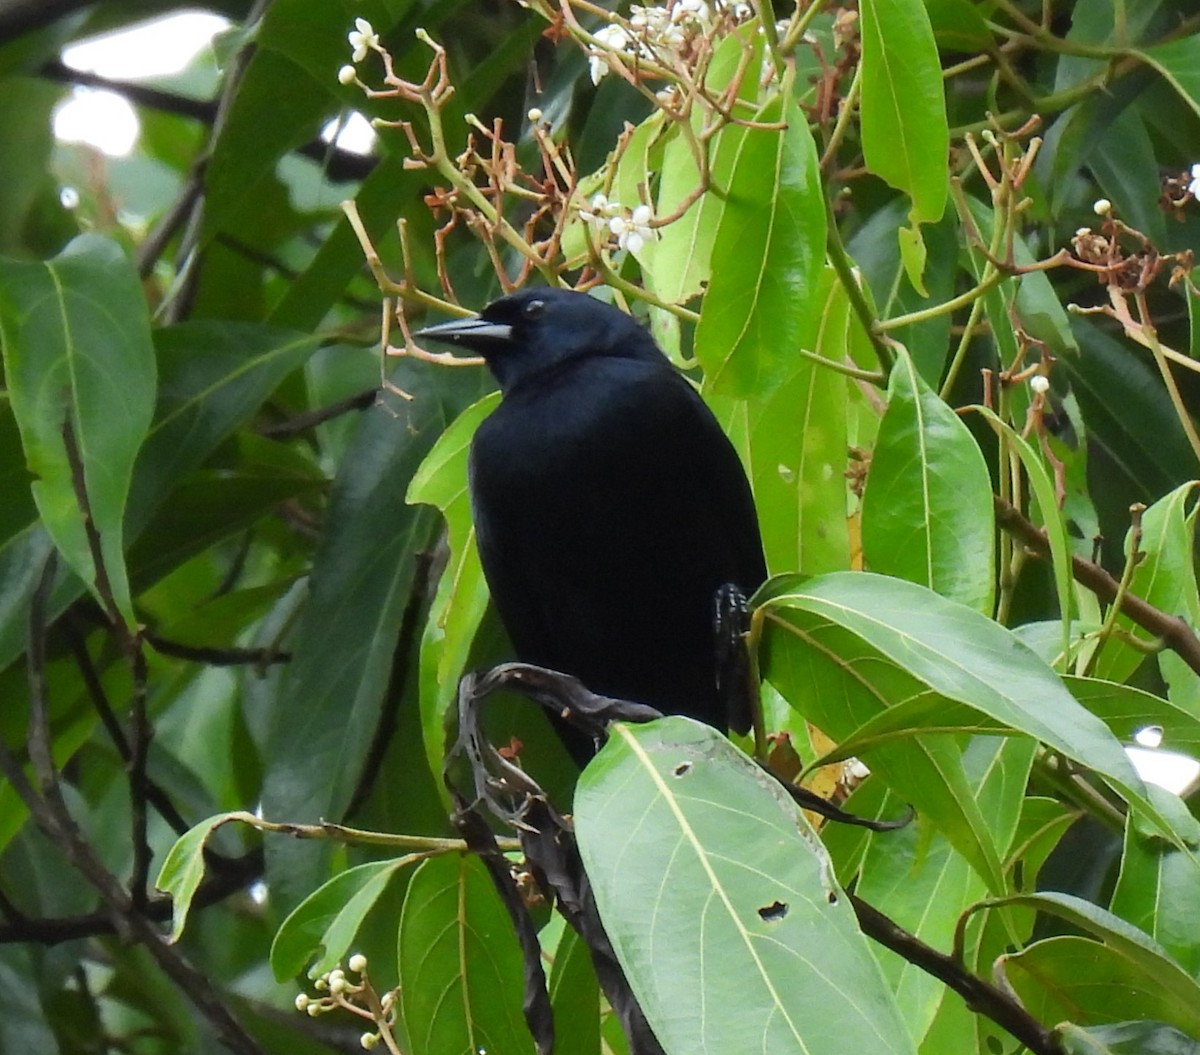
(609, 506)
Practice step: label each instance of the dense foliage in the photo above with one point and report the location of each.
(929, 262)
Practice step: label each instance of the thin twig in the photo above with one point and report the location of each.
(49, 812)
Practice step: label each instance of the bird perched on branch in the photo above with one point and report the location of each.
(609, 506)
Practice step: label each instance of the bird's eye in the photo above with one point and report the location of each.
(535, 309)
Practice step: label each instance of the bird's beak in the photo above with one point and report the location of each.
(475, 333)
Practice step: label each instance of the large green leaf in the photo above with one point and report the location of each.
(904, 131)
(1072, 978)
(1123, 974)
(953, 651)
(679, 264)
(462, 597)
(75, 334)
(1158, 891)
(794, 442)
(460, 964)
(927, 510)
(773, 226)
(720, 901)
(325, 923)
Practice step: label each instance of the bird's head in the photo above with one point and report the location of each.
(536, 329)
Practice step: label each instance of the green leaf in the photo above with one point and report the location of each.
(720, 903)
(709, 881)
(212, 377)
(877, 253)
(183, 868)
(794, 442)
(1107, 981)
(75, 335)
(1158, 891)
(327, 921)
(927, 509)
(957, 26)
(774, 226)
(921, 883)
(906, 140)
(1179, 62)
(1165, 577)
(952, 650)
(912, 256)
(460, 964)
(26, 132)
(1095, 983)
(1051, 516)
(1126, 1038)
(679, 264)
(462, 597)
(575, 997)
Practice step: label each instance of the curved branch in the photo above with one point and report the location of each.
(1174, 632)
(978, 994)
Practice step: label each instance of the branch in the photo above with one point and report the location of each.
(216, 657)
(232, 876)
(978, 994)
(1174, 632)
(49, 811)
(311, 418)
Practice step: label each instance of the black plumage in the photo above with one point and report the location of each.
(609, 506)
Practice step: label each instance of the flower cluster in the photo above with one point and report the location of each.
(357, 997)
(632, 230)
(653, 33)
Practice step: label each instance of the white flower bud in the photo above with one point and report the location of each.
(1040, 384)
(358, 963)
(347, 75)
(368, 1041)
(534, 115)
(1102, 207)
(301, 1001)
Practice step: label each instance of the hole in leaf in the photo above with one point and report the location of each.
(682, 769)
(833, 899)
(773, 912)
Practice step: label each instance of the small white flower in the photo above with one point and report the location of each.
(634, 231)
(1102, 207)
(1194, 186)
(1040, 384)
(362, 39)
(600, 211)
(347, 75)
(610, 38)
